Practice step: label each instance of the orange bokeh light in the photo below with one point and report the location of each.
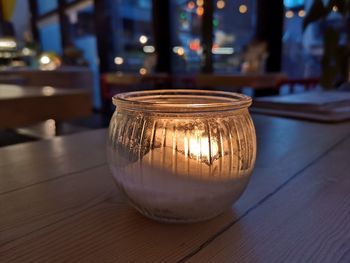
(190, 5)
(195, 45)
(200, 11)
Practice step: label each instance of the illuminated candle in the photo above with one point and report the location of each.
(181, 155)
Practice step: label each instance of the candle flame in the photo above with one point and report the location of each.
(201, 147)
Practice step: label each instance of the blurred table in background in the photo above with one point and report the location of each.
(112, 83)
(64, 77)
(20, 106)
(200, 80)
(323, 106)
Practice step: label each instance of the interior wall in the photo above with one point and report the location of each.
(17, 12)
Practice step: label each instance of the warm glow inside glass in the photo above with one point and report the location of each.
(181, 155)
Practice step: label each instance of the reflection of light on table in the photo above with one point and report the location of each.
(48, 90)
(50, 127)
(49, 61)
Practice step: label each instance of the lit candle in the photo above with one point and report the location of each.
(182, 168)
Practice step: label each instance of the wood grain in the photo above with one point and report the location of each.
(306, 221)
(66, 221)
(26, 164)
(31, 208)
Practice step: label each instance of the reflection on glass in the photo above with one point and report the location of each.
(82, 46)
(133, 43)
(230, 39)
(186, 38)
(301, 50)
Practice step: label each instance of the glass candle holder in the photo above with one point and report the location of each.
(181, 155)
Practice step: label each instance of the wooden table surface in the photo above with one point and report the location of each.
(58, 203)
(21, 105)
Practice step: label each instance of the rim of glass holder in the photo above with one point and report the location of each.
(181, 100)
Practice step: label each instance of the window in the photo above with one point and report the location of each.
(186, 47)
(81, 38)
(80, 20)
(301, 55)
(132, 36)
(45, 6)
(234, 29)
(50, 36)
(77, 26)
(293, 3)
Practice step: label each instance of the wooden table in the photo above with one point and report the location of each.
(64, 77)
(59, 204)
(20, 106)
(254, 81)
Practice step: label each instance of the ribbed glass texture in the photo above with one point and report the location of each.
(181, 156)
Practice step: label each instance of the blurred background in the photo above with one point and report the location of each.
(260, 48)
